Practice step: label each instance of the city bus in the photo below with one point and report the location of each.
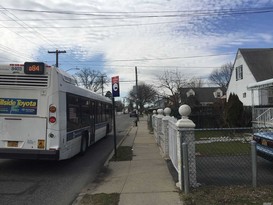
(45, 115)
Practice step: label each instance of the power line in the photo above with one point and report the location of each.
(25, 26)
(129, 66)
(177, 13)
(9, 60)
(160, 59)
(3, 26)
(18, 34)
(99, 26)
(14, 52)
(143, 66)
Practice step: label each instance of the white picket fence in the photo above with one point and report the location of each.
(172, 128)
(170, 134)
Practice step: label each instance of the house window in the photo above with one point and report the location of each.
(244, 95)
(270, 100)
(239, 72)
(218, 94)
(270, 97)
(190, 93)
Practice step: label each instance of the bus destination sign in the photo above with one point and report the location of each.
(34, 68)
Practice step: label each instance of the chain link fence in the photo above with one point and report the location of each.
(223, 158)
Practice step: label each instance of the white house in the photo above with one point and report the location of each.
(250, 67)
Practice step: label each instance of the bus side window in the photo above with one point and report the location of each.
(85, 112)
(98, 110)
(108, 112)
(92, 111)
(103, 112)
(73, 110)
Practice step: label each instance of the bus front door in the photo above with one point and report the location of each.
(92, 122)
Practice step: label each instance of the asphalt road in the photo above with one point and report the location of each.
(25, 182)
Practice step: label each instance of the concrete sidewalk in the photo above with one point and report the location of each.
(145, 180)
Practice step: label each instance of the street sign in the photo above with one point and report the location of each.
(115, 93)
(115, 86)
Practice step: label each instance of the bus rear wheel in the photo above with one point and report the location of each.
(83, 145)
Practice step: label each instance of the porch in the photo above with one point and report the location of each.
(262, 103)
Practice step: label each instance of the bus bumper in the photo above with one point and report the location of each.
(7, 153)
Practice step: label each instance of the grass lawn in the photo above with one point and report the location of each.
(124, 153)
(229, 195)
(222, 148)
(100, 199)
(220, 142)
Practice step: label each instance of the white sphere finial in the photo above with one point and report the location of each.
(167, 111)
(160, 111)
(185, 122)
(184, 111)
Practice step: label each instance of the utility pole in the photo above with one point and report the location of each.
(136, 93)
(102, 82)
(57, 56)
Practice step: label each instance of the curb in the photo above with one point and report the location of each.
(121, 141)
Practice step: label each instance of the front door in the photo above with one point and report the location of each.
(92, 122)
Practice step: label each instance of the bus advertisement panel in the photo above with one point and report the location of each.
(18, 106)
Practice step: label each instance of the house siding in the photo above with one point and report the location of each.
(239, 87)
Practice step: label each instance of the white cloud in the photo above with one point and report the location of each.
(103, 31)
(266, 37)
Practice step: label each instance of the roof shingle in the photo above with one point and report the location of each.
(259, 61)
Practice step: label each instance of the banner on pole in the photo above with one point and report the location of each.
(115, 86)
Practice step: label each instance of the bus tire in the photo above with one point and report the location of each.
(83, 145)
(107, 131)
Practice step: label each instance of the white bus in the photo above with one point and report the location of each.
(44, 115)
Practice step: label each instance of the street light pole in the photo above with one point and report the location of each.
(102, 82)
(137, 94)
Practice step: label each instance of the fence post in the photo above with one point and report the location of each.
(153, 119)
(159, 125)
(186, 168)
(165, 129)
(155, 124)
(185, 134)
(254, 163)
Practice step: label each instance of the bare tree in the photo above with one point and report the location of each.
(195, 83)
(91, 79)
(172, 81)
(146, 94)
(221, 76)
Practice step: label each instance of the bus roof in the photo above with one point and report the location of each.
(86, 92)
(66, 77)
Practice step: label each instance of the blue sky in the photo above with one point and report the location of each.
(113, 36)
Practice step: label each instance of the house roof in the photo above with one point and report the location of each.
(260, 62)
(203, 94)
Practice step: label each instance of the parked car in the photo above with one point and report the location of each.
(133, 114)
(264, 144)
